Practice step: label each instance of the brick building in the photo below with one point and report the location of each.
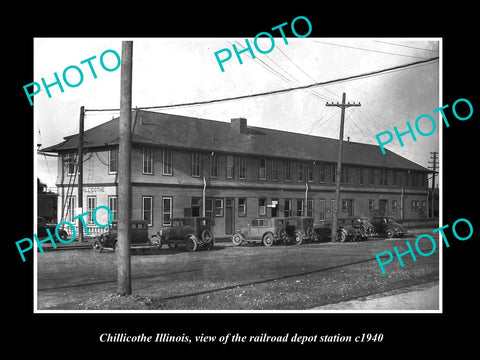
(232, 172)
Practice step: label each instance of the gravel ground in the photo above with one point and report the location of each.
(229, 278)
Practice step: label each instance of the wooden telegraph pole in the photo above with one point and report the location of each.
(335, 211)
(124, 172)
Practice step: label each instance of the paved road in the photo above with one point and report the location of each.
(250, 277)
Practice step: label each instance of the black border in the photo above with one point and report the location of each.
(409, 333)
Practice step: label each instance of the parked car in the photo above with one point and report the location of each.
(192, 232)
(300, 228)
(267, 231)
(386, 226)
(42, 227)
(108, 239)
(323, 232)
(354, 229)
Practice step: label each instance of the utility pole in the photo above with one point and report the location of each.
(124, 172)
(80, 170)
(434, 168)
(335, 211)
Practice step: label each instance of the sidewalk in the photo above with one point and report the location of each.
(416, 297)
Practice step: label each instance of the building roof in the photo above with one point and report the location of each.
(176, 131)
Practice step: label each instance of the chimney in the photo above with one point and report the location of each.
(239, 125)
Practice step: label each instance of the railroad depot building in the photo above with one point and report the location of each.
(232, 172)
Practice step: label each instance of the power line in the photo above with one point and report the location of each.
(279, 91)
(371, 50)
(276, 72)
(311, 78)
(407, 46)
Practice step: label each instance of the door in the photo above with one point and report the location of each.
(382, 207)
(229, 220)
(350, 208)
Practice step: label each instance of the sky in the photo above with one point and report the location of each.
(168, 71)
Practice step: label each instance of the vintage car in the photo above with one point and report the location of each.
(108, 239)
(42, 227)
(267, 231)
(192, 232)
(300, 228)
(323, 232)
(354, 229)
(386, 226)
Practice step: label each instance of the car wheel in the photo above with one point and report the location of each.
(191, 244)
(63, 235)
(237, 239)
(389, 233)
(156, 241)
(298, 237)
(267, 239)
(97, 246)
(211, 245)
(310, 234)
(206, 236)
(341, 236)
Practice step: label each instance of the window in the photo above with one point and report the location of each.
(275, 170)
(195, 205)
(288, 175)
(242, 167)
(300, 207)
(344, 205)
(112, 160)
(209, 210)
(333, 173)
(332, 207)
(147, 160)
(309, 172)
(321, 210)
(70, 162)
(147, 209)
(196, 164)
(322, 172)
(112, 204)
(242, 207)
(287, 209)
(263, 223)
(218, 207)
(424, 205)
(383, 177)
(300, 172)
(70, 208)
(230, 166)
(262, 207)
(371, 176)
(214, 166)
(371, 205)
(91, 205)
(262, 169)
(415, 205)
(167, 211)
(167, 162)
(310, 207)
(394, 205)
(394, 177)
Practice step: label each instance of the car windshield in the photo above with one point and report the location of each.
(390, 220)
